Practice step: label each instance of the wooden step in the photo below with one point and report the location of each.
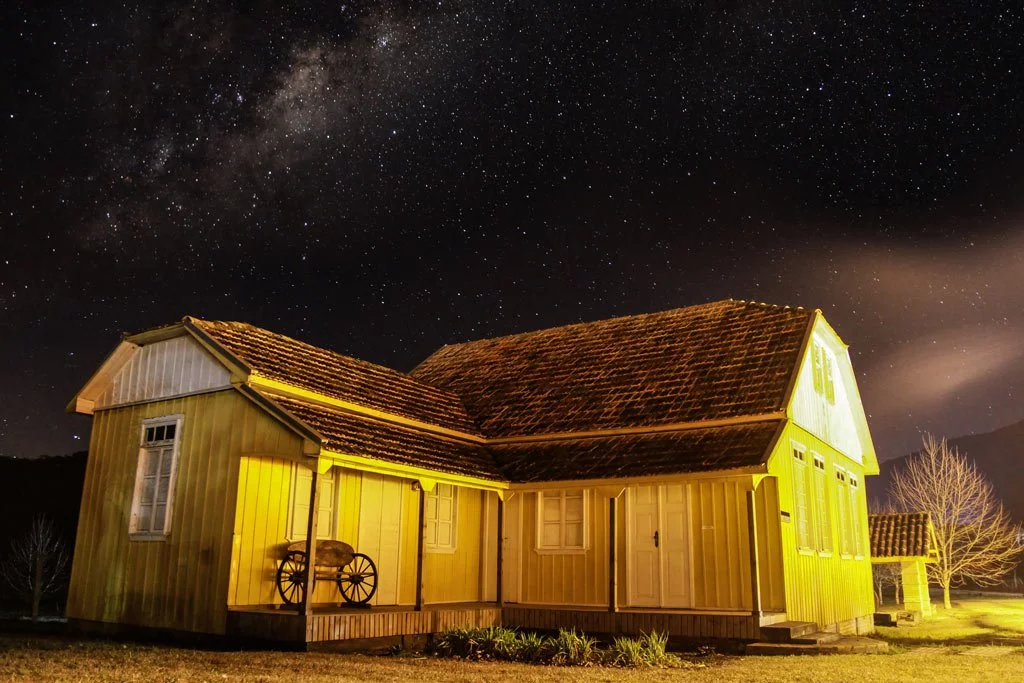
(843, 645)
(819, 638)
(786, 631)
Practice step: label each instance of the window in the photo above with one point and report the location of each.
(801, 500)
(561, 520)
(824, 523)
(824, 372)
(440, 508)
(857, 544)
(302, 482)
(154, 477)
(843, 499)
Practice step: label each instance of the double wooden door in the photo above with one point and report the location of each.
(659, 546)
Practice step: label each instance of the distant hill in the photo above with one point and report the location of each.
(999, 455)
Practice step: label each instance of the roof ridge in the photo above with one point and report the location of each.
(618, 318)
(354, 359)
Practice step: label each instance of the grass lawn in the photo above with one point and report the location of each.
(978, 640)
(971, 621)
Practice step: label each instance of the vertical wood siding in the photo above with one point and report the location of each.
(172, 367)
(456, 576)
(180, 582)
(769, 545)
(827, 589)
(719, 540)
(721, 543)
(565, 579)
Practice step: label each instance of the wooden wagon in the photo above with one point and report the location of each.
(354, 573)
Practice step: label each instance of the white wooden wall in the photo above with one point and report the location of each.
(164, 369)
(834, 424)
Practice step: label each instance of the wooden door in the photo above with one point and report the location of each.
(675, 546)
(511, 554)
(659, 546)
(645, 562)
(380, 531)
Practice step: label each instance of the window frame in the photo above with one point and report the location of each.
(846, 536)
(178, 420)
(433, 546)
(824, 541)
(857, 536)
(561, 549)
(823, 369)
(801, 484)
(294, 534)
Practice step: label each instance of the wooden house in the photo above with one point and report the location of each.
(698, 471)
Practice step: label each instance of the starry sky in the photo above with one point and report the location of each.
(381, 178)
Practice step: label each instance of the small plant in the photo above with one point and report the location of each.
(570, 648)
(530, 648)
(626, 652)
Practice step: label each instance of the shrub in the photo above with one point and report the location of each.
(568, 648)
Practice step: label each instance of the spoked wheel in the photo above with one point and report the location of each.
(358, 580)
(291, 574)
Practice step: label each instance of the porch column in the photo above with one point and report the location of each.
(501, 544)
(915, 587)
(613, 568)
(419, 547)
(755, 575)
(306, 607)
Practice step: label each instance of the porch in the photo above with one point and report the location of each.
(334, 623)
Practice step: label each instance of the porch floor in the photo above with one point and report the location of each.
(336, 622)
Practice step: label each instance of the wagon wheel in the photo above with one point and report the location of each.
(291, 574)
(358, 580)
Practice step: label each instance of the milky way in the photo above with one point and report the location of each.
(384, 177)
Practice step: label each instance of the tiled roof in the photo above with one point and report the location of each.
(635, 455)
(288, 360)
(372, 438)
(901, 534)
(718, 360)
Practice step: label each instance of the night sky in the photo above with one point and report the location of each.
(381, 178)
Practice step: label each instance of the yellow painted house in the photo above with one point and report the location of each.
(699, 471)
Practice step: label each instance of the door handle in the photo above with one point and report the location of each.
(655, 539)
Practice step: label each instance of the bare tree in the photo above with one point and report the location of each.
(885, 573)
(36, 562)
(977, 541)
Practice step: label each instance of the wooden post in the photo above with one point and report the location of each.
(419, 549)
(755, 576)
(501, 554)
(306, 607)
(613, 574)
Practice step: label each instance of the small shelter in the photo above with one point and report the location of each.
(907, 538)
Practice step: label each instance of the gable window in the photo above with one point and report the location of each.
(802, 500)
(561, 520)
(821, 510)
(824, 372)
(154, 477)
(440, 508)
(302, 483)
